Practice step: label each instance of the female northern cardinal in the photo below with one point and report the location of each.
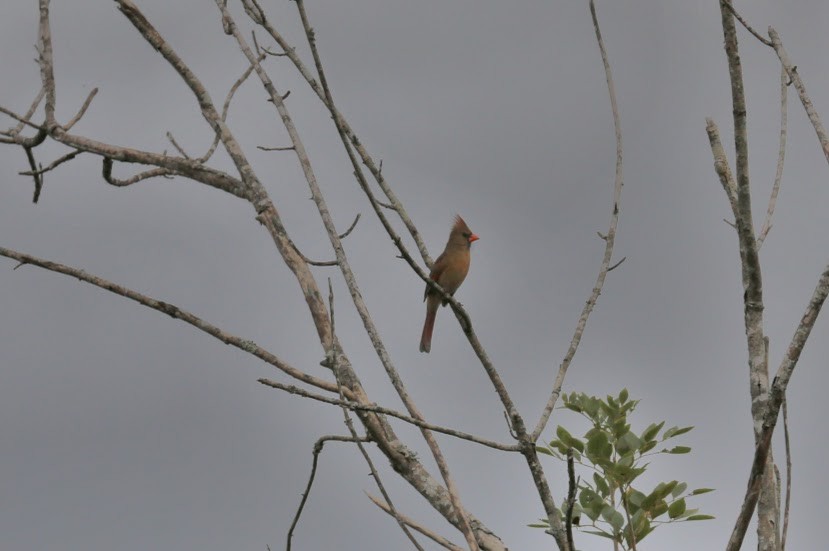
(449, 271)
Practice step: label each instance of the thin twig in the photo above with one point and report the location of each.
(263, 148)
(174, 312)
(785, 531)
(152, 173)
(356, 406)
(745, 24)
(571, 498)
(68, 126)
(54, 164)
(28, 116)
(811, 112)
(316, 453)
(350, 228)
(781, 155)
(177, 146)
(226, 107)
(440, 540)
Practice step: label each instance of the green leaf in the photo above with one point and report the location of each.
(616, 520)
(701, 517)
(597, 533)
(679, 450)
(647, 446)
(681, 487)
(635, 498)
(676, 508)
(628, 442)
(659, 509)
(601, 485)
(651, 432)
(544, 450)
(700, 491)
(623, 396)
(598, 445)
(683, 430)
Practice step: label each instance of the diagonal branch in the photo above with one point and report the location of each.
(811, 112)
(781, 156)
(176, 313)
(777, 394)
(440, 540)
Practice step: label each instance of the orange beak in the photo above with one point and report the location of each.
(473, 237)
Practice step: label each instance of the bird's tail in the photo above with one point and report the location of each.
(431, 310)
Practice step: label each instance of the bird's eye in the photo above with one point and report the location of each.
(467, 234)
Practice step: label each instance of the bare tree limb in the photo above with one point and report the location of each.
(440, 540)
(785, 530)
(811, 112)
(316, 453)
(768, 513)
(777, 394)
(68, 126)
(356, 406)
(781, 156)
(174, 312)
(28, 116)
(744, 23)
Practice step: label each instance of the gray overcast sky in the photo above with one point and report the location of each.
(124, 429)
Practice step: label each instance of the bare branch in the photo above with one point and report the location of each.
(571, 497)
(53, 165)
(152, 173)
(788, 476)
(47, 74)
(610, 240)
(178, 147)
(28, 116)
(781, 155)
(744, 23)
(176, 313)
(776, 395)
(355, 406)
(23, 120)
(35, 173)
(82, 110)
(350, 228)
(316, 453)
(811, 112)
(440, 540)
(263, 148)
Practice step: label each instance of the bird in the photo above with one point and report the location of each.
(448, 271)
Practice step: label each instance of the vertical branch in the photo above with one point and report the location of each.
(768, 513)
(45, 60)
